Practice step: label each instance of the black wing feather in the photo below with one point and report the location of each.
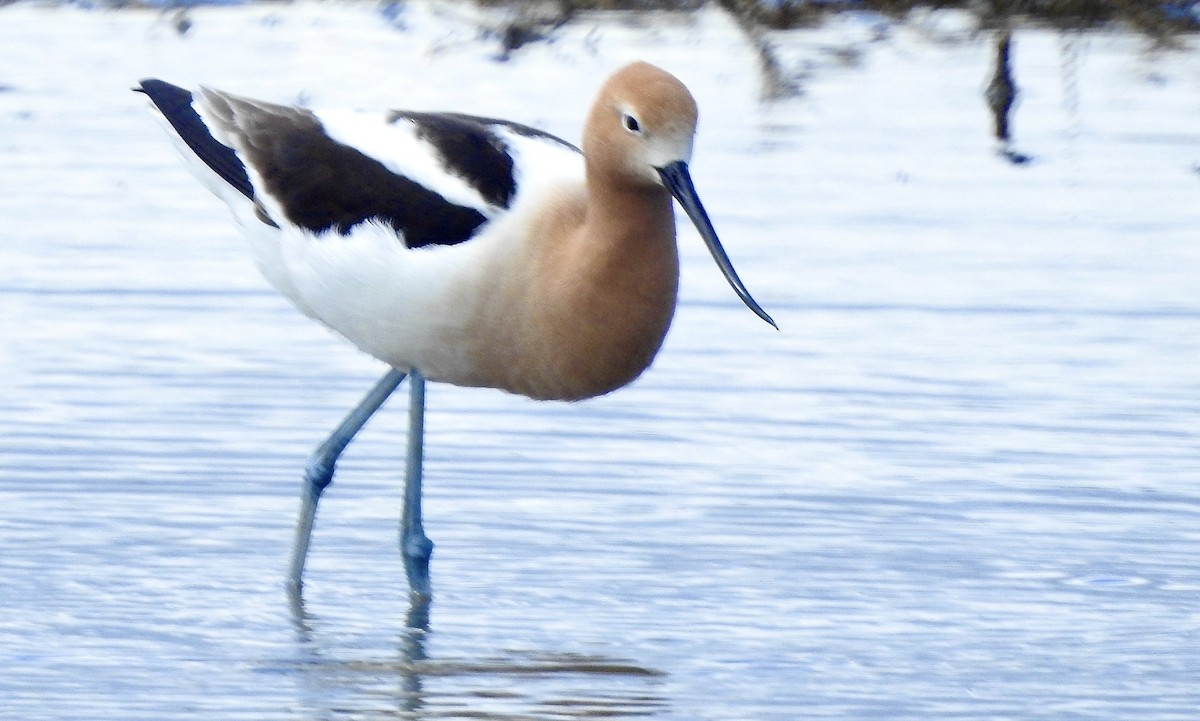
(175, 103)
(323, 185)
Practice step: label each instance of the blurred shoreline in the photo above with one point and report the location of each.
(1158, 18)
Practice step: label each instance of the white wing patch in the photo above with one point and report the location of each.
(540, 163)
(400, 150)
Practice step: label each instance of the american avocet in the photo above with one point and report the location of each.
(461, 249)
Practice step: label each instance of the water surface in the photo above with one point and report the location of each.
(961, 482)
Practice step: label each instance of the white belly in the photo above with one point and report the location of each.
(408, 308)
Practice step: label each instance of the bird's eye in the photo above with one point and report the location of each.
(631, 123)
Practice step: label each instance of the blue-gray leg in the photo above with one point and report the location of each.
(318, 473)
(415, 546)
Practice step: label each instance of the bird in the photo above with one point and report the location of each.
(459, 248)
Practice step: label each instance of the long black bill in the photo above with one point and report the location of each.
(679, 181)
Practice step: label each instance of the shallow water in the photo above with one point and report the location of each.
(960, 483)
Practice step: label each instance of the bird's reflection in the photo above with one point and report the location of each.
(539, 682)
(412, 652)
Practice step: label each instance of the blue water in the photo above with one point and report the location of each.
(961, 482)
